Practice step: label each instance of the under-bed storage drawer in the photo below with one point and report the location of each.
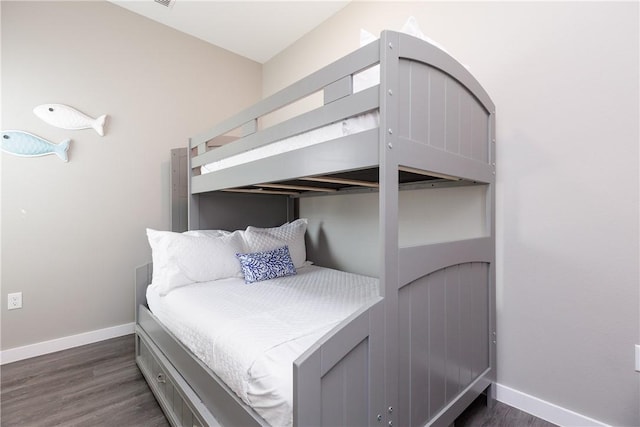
(171, 391)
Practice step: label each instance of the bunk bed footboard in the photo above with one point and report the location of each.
(339, 380)
(445, 330)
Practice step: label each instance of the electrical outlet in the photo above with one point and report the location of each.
(637, 357)
(14, 300)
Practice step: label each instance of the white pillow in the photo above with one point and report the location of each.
(210, 233)
(180, 259)
(371, 76)
(268, 239)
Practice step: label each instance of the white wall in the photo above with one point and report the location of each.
(343, 228)
(564, 77)
(72, 233)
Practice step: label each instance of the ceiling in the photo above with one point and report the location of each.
(258, 30)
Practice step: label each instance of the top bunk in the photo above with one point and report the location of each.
(399, 103)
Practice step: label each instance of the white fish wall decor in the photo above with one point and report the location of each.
(24, 144)
(65, 117)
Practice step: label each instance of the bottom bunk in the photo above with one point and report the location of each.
(250, 335)
(191, 393)
(415, 350)
(443, 344)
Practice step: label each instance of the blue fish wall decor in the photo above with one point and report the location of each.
(65, 117)
(24, 144)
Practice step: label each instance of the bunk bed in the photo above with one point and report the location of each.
(422, 349)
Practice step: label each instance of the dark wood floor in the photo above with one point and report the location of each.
(100, 385)
(93, 385)
(501, 415)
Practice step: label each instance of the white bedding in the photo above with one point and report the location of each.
(249, 335)
(335, 130)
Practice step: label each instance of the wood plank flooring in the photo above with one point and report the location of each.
(501, 415)
(100, 385)
(93, 385)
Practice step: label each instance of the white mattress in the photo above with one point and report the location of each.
(335, 130)
(249, 335)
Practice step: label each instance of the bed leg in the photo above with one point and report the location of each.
(491, 396)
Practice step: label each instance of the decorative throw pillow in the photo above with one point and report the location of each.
(290, 235)
(267, 265)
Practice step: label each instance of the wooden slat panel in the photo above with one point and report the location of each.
(335, 371)
(480, 137)
(404, 356)
(330, 179)
(177, 403)
(307, 391)
(440, 323)
(437, 342)
(420, 102)
(345, 390)
(442, 113)
(356, 384)
(333, 396)
(415, 50)
(405, 85)
(436, 109)
(466, 323)
(261, 191)
(355, 330)
(453, 346)
(298, 187)
(187, 416)
(468, 125)
(452, 116)
(480, 274)
(376, 362)
(419, 352)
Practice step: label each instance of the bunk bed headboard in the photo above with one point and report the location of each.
(230, 211)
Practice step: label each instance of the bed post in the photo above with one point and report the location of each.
(179, 193)
(142, 280)
(193, 213)
(388, 226)
(491, 217)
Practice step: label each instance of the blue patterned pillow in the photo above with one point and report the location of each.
(266, 265)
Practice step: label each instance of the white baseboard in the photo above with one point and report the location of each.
(46, 347)
(543, 409)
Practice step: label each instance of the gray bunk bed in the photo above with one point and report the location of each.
(424, 350)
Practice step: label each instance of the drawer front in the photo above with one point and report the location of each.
(165, 387)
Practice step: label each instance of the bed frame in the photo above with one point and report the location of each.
(426, 349)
